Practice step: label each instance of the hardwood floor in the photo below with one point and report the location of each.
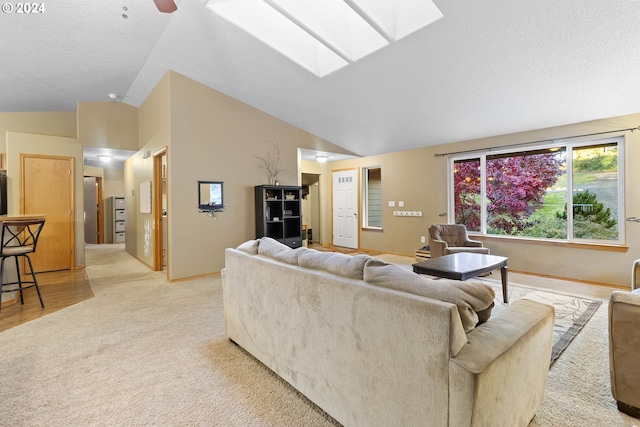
(59, 289)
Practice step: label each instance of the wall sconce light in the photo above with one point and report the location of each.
(104, 158)
(322, 159)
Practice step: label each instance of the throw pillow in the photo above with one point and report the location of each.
(472, 298)
(337, 263)
(250, 247)
(274, 249)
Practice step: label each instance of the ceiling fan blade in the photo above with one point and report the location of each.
(166, 6)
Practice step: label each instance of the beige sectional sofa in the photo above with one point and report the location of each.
(374, 344)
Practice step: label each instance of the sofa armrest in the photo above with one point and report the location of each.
(473, 243)
(437, 247)
(624, 347)
(634, 275)
(499, 377)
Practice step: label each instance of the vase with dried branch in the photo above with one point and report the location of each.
(272, 163)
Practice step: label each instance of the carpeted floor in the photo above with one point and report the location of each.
(147, 352)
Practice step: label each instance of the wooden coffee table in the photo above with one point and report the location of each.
(463, 266)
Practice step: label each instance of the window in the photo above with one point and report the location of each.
(566, 191)
(466, 182)
(372, 200)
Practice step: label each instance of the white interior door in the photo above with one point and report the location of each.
(345, 208)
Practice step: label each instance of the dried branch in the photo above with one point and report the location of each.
(272, 162)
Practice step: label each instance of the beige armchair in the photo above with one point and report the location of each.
(446, 239)
(624, 347)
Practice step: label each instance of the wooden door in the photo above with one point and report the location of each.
(47, 188)
(159, 210)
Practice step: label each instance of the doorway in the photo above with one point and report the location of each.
(93, 210)
(311, 207)
(160, 211)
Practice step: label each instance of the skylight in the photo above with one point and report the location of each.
(326, 35)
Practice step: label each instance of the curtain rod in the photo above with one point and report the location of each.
(533, 142)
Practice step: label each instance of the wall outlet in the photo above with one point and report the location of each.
(423, 239)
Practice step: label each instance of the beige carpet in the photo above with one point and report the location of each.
(146, 352)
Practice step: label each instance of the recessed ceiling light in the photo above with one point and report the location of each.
(322, 159)
(105, 158)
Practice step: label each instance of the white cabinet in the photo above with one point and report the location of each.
(115, 220)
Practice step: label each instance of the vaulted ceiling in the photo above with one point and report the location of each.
(486, 68)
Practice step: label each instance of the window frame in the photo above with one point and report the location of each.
(365, 199)
(569, 146)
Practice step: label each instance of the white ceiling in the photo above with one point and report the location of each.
(487, 68)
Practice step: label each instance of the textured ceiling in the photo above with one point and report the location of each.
(486, 68)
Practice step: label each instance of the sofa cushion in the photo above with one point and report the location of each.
(471, 298)
(343, 265)
(250, 247)
(274, 249)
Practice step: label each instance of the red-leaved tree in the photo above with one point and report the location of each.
(516, 187)
(466, 183)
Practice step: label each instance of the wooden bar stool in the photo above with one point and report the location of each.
(19, 238)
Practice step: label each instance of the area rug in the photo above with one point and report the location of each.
(572, 312)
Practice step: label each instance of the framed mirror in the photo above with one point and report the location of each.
(210, 196)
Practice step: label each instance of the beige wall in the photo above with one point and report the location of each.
(154, 131)
(108, 124)
(112, 183)
(419, 179)
(58, 123)
(210, 137)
